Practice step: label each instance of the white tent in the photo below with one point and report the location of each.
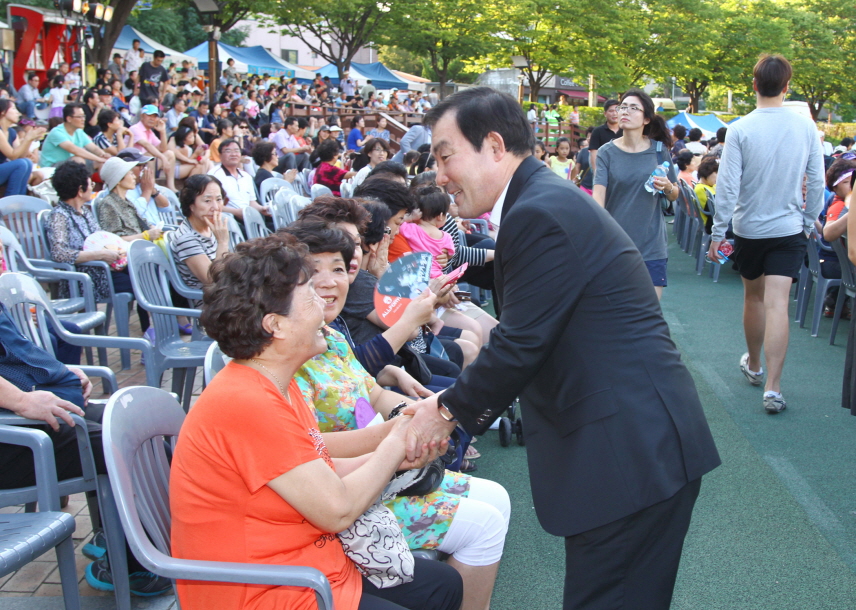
(126, 39)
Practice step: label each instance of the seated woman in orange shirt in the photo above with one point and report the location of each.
(252, 480)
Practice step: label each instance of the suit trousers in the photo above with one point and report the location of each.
(632, 563)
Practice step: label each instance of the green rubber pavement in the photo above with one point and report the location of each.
(775, 526)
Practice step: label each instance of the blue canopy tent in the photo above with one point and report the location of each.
(251, 60)
(380, 75)
(708, 123)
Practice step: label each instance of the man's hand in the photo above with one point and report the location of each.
(47, 406)
(713, 253)
(85, 383)
(428, 430)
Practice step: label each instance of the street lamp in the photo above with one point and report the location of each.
(210, 7)
(520, 63)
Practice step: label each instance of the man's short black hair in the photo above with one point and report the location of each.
(222, 125)
(695, 134)
(90, 93)
(158, 53)
(679, 131)
(609, 104)
(720, 134)
(105, 117)
(289, 120)
(389, 167)
(480, 111)
(68, 110)
(394, 194)
(227, 142)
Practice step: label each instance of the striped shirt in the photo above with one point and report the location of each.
(463, 253)
(186, 242)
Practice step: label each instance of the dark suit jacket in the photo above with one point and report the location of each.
(612, 419)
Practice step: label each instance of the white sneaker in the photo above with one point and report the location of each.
(774, 402)
(754, 378)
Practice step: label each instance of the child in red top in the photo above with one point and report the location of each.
(328, 174)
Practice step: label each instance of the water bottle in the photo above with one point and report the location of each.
(660, 170)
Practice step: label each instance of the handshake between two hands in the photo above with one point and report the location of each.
(424, 431)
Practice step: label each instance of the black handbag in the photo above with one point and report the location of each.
(414, 364)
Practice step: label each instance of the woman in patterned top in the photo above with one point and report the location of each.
(465, 517)
(71, 222)
(117, 215)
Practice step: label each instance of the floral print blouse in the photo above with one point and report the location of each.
(67, 230)
(332, 383)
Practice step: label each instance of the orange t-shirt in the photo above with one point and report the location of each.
(240, 435)
(213, 152)
(835, 209)
(398, 247)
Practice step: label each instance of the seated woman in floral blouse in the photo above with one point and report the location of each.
(465, 517)
(71, 222)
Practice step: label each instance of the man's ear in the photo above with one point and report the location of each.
(497, 145)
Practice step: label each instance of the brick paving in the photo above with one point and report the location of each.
(40, 578)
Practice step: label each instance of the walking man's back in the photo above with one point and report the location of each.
(766, 158)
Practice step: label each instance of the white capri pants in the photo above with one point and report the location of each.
(476, 536)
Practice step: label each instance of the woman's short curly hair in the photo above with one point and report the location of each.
(258, 278)
(68, 178)
(194, 186)
(335, 210)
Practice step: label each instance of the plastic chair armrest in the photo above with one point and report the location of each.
(46, 264)
(74, 278)
(249, 573)
(104, 373)
(172, 311)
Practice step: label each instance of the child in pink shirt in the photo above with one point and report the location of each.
(426, 234)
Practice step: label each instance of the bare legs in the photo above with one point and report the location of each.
(478, 584)
(659, 291)
(765, 323)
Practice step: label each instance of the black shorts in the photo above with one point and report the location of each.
(770, 256)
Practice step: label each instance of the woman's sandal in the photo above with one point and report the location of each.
(472, 453)
(185, 329)
(468, 466)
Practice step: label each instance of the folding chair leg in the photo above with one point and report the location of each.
(839, 307)
(115, 536)
(806, 295)
(189, 379)
(817, 314)
(68, 574)
(123, 329)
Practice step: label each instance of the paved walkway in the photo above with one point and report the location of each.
(774, 527)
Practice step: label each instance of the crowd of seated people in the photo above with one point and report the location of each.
(108, 181)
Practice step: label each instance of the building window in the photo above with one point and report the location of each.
(289, 56)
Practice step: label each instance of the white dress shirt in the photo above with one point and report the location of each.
(496, 212)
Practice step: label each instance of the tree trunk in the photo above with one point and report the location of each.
(104, 44)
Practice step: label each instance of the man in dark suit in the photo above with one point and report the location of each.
(616, 438)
